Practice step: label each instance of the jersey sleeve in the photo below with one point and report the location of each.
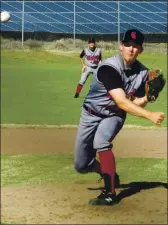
(110, 77)
(82, 54)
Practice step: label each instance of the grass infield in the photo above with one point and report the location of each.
(52, 168)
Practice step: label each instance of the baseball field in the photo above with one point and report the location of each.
(39, 119)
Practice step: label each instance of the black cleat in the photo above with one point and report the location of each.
(104, 199)
(76, 95)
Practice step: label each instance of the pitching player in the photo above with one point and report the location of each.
(90, 57)
(117, 88)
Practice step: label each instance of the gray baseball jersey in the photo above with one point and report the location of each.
(97, 130)
(98, 98)
(92, 59)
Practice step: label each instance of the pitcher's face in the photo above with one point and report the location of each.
(130, 51)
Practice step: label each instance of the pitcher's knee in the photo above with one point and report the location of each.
(80, 168)
(102, 144)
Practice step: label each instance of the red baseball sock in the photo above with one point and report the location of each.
(79, 88)
(108, 168)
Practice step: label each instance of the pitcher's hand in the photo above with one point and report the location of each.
(157, 117)
(83, 68)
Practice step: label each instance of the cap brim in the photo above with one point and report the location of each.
(127, 41)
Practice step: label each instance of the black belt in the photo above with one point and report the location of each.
(94, 67)
(93, 112)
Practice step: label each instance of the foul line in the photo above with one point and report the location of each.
(70, 126)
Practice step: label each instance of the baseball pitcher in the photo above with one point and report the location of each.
(121, 85)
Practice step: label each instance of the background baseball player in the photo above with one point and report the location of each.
(120, 86)
(90, 57)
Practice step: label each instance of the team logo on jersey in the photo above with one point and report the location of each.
(133, 35)
(92, 58)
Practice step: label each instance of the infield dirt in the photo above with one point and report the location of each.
(66, 202)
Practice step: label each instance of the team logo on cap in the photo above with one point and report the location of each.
(133, 35)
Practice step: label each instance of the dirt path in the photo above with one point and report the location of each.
(66, 203)
(129, 142)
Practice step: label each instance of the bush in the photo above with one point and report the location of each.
(108, 46)
(10, 44)
(33, 44)
(67, 44)
(61, 45)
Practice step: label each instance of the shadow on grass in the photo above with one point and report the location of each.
(134, 187)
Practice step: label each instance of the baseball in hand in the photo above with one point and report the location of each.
(5, 16)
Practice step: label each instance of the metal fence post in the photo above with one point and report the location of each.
(74, 23)
(22, 23)
(118, 23)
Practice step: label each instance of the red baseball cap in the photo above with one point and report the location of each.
(133, 35)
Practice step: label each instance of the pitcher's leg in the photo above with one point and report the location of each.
(84, 152)
(106, 132)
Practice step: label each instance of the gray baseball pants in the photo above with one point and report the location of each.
(94, 134)
(86, 74)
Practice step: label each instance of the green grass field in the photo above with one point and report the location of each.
(47, 168)
(38, 88)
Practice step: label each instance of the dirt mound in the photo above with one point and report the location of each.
(67, 203)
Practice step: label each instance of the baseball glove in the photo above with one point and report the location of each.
(155, 84)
